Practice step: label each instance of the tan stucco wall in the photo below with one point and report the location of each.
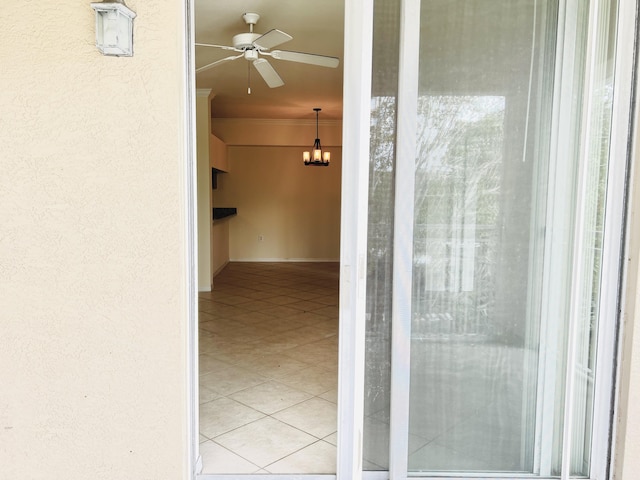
(92, 246)
(627, 440)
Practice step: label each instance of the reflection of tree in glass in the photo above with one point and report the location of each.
(381, 192)
(457, 208)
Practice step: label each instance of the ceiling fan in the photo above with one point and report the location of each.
(252, 46)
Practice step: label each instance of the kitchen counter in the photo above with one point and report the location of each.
(220, 213)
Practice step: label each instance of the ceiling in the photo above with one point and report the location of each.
(316, 27)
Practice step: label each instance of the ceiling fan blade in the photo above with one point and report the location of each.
(218, 62)
(271, 39)
(268, 73)
(310, 58)
(224, 47)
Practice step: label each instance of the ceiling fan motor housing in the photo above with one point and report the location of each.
(243, 41)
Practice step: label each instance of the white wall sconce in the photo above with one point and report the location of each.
(114, 28)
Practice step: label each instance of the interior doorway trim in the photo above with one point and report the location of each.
(194, 462)
(358, 54)
(353, 248)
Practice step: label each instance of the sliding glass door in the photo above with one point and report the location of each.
(489, 165)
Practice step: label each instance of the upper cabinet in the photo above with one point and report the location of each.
(218, 154)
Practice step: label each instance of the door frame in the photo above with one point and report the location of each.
(358, 53)
(193, 464)
(621, 133)
(353, 247)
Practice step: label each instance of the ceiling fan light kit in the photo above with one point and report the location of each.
(320, 158)
(253, 46)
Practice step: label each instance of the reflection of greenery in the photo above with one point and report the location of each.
(597, 178)
(381, 192)
(458, 178)
(457, 209)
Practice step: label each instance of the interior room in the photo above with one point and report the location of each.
(269, 235)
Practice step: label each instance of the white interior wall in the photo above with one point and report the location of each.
(286, 211)
(203, 131)
(295, 209)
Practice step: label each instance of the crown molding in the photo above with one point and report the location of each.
(289, 122)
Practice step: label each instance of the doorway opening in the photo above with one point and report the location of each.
(268, 369)
(466, 354)
(268, 326)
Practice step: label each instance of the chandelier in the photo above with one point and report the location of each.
(317, 157)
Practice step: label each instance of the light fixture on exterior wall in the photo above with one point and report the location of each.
(316, 157)
(114, 28)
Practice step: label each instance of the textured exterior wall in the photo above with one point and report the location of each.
(627, 461)
(92, 246)
(627, 451)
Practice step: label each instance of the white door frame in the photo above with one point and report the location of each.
(612, 244)
(193, 461)
(615, 245)
(358, 53)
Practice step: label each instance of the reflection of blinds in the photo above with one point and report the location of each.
(459, 170)
(459, 159)
(449, 261)
(450, 253)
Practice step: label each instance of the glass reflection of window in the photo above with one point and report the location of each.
(457, 205)
(379, 282)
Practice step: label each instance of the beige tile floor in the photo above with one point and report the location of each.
(268, 336)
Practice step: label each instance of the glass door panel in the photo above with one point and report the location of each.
(512, 118)
(384, 84)
(484, 84)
